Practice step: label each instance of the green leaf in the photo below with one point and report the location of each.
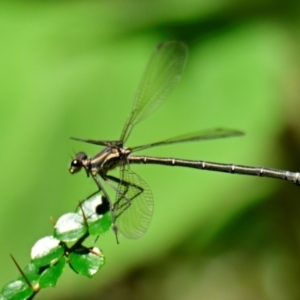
(31, 271)
(70, 227)
(16, 290)
(46, 251)
(100, 226)
(97, 213)
(50, 276)
(86, 261)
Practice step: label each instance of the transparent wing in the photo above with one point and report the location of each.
(160, 76)
(133, 208)
(193, 137)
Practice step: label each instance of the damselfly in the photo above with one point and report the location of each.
(133, 207)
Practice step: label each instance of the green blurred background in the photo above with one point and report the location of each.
(72, 68)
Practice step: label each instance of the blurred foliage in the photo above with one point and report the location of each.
(71, 69)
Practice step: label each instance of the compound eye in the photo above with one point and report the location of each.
(76, 163)
(75, 166)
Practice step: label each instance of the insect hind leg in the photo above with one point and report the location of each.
(122, 194)
(123, 200)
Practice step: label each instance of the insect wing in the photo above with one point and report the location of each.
(193, 137)
(163, 71)
(133, 208)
